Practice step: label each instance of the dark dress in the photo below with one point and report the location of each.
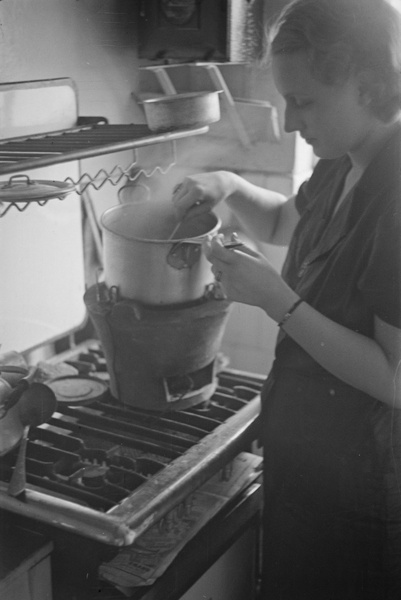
(332, 514)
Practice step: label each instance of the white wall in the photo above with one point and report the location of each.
(92, 41)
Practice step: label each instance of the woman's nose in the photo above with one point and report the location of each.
(292, 122)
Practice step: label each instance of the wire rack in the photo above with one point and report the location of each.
(21, 154)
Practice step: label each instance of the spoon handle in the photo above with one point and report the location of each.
(176, 228)
(18, 479)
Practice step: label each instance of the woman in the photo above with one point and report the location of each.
(331, 405)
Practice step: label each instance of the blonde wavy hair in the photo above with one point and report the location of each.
(342, 37)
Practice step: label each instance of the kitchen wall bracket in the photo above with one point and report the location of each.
(20, 154)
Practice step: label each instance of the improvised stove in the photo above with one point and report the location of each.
(159, 358)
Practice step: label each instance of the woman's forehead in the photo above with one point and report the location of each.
(292, 73)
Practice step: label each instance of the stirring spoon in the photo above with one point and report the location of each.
(176, 228)
(179, 223)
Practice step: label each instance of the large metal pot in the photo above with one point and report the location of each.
(144, 264)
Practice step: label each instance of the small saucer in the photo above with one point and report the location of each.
(77, 389)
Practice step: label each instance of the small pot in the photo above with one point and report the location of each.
(14, 380)
(180, 111)
(11, 427)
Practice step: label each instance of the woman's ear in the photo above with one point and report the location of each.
(372, 89)
(365, 88)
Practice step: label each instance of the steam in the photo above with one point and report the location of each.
(194, 155)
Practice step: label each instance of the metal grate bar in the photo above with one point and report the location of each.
(24, 153)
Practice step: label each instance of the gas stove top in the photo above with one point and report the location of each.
(109, 471)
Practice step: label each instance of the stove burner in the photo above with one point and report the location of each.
(78, 389)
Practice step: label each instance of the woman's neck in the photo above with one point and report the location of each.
(361, 158)
(371, 144)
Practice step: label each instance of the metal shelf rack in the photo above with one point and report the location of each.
(20, 154)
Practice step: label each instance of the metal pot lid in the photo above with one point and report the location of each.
(77, 389)
(20, 188)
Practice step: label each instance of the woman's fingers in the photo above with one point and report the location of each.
(213, 247)
(186, 199)
(197, 194)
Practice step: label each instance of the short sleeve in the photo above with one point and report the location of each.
(380, 282)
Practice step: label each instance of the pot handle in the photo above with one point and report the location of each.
(127, 310)
(127, 195)
(215, 291)
(183, 255)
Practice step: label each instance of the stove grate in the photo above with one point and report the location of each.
(122, 462)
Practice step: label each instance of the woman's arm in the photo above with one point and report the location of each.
(370, 365)
(266, 215)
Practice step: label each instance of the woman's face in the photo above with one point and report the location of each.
(333, 119)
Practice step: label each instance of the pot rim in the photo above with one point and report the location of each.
(172, 242)
(167, 98)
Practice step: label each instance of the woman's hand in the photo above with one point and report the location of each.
(267, 215)
(248, 277)
(200, 193)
